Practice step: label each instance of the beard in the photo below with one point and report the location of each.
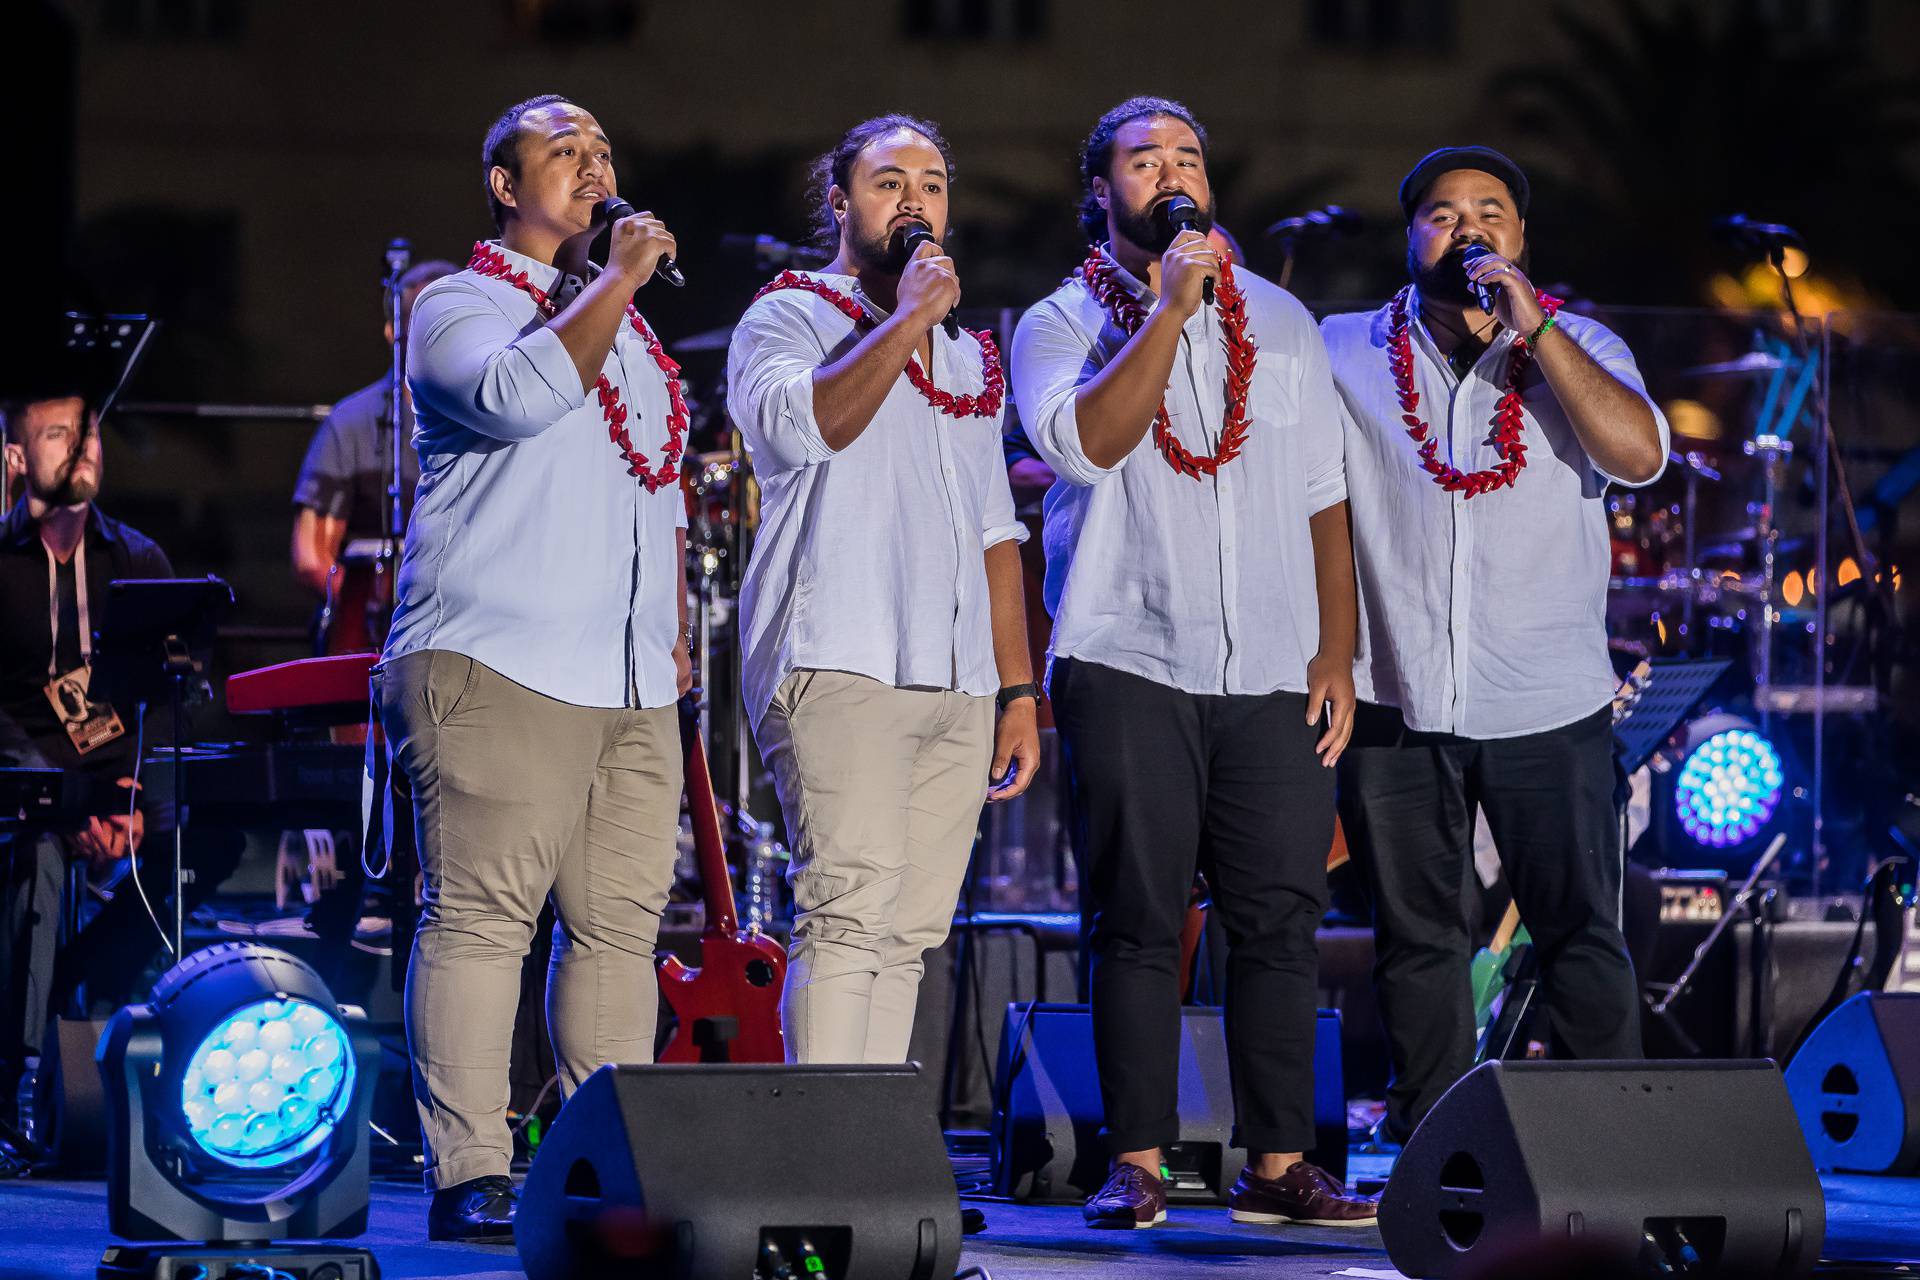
(1446, 280)
(878, 249)
(68, 489)
(70, 485)
(1145, 227)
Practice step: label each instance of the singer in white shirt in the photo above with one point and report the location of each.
(1201, 666)
(1481, 550)
(882, 614)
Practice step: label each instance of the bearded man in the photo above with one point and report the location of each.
(887, 674)
(1201, 585)
(1480, 444)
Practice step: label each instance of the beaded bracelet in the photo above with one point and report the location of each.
(1533, 339)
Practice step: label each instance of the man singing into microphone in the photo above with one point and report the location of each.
(1480, 444)
(882, 614)
(1201, 585)
(537, 647)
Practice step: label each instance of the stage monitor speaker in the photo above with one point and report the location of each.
(1625, 1162)
(69, 1107)
(707, 1172)
(1855, 1085)
(1045, 1141)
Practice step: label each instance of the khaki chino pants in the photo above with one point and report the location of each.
(881, 788)
(517, 796)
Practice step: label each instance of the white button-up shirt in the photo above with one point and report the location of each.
(1204, 584)
(871, 560)
(1483, 617)
(531, 549)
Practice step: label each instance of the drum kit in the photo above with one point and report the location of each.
(1684, 584)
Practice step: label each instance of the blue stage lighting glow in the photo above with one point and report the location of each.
(268, 1084)
(1728, 788)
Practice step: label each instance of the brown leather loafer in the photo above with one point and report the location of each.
(1131, 1197)
(1305, 1194)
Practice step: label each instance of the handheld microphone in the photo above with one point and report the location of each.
(1470, 255)
(1182, 214)
(914, 235)
(612, 209)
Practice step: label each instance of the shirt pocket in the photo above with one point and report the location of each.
(1276, 390)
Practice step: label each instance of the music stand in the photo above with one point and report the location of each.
(147, 650)
(1660, 700)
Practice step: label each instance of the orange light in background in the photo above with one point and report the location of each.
(1694, 420)
(1813, 582)
(1761, 287)
(1792, 589)
(1793, 262)
(1847, 572)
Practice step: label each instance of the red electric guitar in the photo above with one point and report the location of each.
(728, 1010)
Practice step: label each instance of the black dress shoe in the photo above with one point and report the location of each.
(478, 1210)
(972, 1221)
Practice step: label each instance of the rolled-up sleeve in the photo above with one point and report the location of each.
(998, 523)
(1323, 426)
(1611, 354)
(1049, 364)
(770, 366)
(467, 361)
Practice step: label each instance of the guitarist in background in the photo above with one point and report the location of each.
(343, 481)
(1481, 550)
(883, 609)
(529, 680)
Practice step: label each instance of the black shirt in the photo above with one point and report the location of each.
(345, 472)
(26, 631)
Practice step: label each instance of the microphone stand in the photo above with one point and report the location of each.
(392, 515)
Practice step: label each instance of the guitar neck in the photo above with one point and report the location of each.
(709, 846)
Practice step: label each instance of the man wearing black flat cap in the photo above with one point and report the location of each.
(1481, 437)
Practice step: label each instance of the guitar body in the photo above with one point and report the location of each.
(727, 1010)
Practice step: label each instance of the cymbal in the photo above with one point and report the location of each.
(711, 340)
(1752, 363)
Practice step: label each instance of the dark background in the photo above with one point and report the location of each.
(237, 168)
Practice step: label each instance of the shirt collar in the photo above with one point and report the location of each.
(1130, 282)
(543, 276)
(18, 529)
(1418, 321)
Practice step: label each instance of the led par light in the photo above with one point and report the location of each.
(238, 1099)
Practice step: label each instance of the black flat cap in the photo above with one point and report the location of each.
(1447, 159)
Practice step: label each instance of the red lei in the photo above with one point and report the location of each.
(1506, 415)
(489, 261)
(993, 380)
(1102, 279)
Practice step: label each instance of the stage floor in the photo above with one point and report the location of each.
(57, 1229)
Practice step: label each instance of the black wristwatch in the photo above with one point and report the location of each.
(1014, 692)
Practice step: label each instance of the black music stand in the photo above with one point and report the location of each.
(1659, 701)
(150, 648)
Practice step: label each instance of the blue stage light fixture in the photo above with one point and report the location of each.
(268, 1084)
(1729, 785)
(238, 1099)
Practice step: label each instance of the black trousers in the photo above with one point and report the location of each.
(1408, 802)
(1164, 783)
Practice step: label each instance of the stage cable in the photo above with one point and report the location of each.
(133, 804)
